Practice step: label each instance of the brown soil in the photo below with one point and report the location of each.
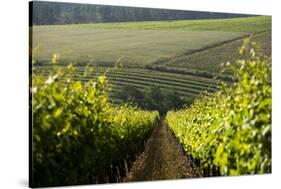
(162, 159)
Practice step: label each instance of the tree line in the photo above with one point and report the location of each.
(49, 13)
(153, 98)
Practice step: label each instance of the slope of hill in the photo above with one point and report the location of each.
(189, 52)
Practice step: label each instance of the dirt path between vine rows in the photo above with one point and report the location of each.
(162, 159)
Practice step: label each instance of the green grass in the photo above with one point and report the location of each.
(135, 44)
(248, 24)
(128, 47)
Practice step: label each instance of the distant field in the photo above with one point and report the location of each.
(190, 52)
(211, 59)
(136, 44)
(129, 47)
(248, 24)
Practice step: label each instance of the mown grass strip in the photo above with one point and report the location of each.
(248, 24)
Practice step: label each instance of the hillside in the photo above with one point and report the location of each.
(179, 56)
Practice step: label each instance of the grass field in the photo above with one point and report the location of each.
(131, 48)
(126, 43)
(248, 24)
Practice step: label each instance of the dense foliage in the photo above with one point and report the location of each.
(69, 13)
(152, 98)
(78, 136)
(230, 131)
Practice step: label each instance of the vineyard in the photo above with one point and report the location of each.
(229, 133)
(224, 133)
(76, 130)
(185, 85)
(98, 90)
